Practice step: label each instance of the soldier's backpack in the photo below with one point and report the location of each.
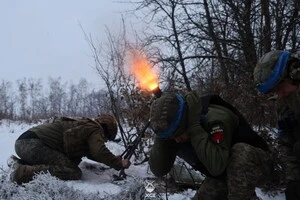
(245, 133)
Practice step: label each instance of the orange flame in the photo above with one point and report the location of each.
(144, 73)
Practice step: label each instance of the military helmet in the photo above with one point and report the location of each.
(167, 115)
(270, 69)
(109, 124)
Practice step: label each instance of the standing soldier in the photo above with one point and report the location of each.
(58, 147)
(278, 72)
(215, 139)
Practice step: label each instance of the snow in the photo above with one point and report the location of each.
(96, 182)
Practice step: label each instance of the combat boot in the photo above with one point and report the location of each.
(24, 173)
(12, 160)
(19, 174)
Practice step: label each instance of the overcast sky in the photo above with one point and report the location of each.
(42, 38)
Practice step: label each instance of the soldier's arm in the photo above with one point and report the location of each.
(162, 156)
(100, 153)
(213, 144)
(286, 124)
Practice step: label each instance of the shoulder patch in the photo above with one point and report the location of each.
(216, 134)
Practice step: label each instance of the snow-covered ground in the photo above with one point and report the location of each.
(96, 183)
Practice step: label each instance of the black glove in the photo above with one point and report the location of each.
(292, 191)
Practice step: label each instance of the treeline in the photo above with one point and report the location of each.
(30, 99)
(208, 45)
(213, 45)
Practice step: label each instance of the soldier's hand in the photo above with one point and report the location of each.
(126, 163)
(194, 109)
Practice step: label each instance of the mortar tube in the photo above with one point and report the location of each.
(157, 92)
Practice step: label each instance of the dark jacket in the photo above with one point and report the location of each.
(288, 113)
(77, 139)
(205, 151)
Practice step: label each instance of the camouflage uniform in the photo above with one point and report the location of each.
(232, 166)
(288, 114)
(279, 72)
(58, 148)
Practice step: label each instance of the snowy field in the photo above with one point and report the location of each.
(96, 183)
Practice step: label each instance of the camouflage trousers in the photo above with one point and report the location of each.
(290, 163)
(249, 167)
(37, 157)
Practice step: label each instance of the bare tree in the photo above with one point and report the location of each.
(57, 96)
(97, 102)
(129, 105)
(36, 102)
(109, 62)
(22, 98)
(34, 89)
(219, 43)
(7, 100)
(72, 100)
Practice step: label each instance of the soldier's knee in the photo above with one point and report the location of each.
(246, 156)
(242, 154)
(241, 149)
(212, 189)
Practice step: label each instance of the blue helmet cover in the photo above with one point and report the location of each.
(277, 73)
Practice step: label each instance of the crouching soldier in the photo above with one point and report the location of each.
(215, 139)
(278, 72)
(58, 147)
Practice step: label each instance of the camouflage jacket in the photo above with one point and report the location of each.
(288, 114)
(208, 149)
(78, 138)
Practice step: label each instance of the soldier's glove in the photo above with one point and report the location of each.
(292, 191)
(194, 110)
(126, 163)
